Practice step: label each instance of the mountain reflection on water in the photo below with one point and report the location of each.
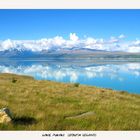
(118, 76)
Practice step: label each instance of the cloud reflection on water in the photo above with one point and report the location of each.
(72, 74)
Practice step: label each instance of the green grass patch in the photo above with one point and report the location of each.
(48, 105)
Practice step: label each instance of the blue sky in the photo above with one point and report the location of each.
(36, 24)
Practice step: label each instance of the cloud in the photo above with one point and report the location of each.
(134, 46)
(121, 36)
(136, 43)
(58, 43)
(73, 37)
(7, 44)
(113, 40)
(133, 49)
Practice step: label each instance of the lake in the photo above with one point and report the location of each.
(115, 75)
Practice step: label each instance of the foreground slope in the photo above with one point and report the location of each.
(47, 105)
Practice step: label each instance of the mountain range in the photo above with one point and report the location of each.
(66, 53)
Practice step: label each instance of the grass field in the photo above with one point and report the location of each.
(48, 105)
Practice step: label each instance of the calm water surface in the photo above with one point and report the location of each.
(118, 76)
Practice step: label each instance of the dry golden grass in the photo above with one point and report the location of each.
(48, 105)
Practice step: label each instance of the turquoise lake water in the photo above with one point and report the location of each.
(118, 76)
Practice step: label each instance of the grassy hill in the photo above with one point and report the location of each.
(48, 105)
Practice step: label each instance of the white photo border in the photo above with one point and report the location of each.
(69, 4)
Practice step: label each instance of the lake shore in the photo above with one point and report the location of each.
(49, 105)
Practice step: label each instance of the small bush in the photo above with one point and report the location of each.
(76, 84)
(123, 92)
(14, 80)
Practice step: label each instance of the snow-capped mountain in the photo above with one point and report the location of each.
(59, 45)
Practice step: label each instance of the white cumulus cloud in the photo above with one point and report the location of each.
(58, 43)
(73, 37)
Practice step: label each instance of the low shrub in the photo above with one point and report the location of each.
(14, 80)
(76, 84)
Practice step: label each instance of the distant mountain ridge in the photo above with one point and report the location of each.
(66, 53)
(52, 51)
